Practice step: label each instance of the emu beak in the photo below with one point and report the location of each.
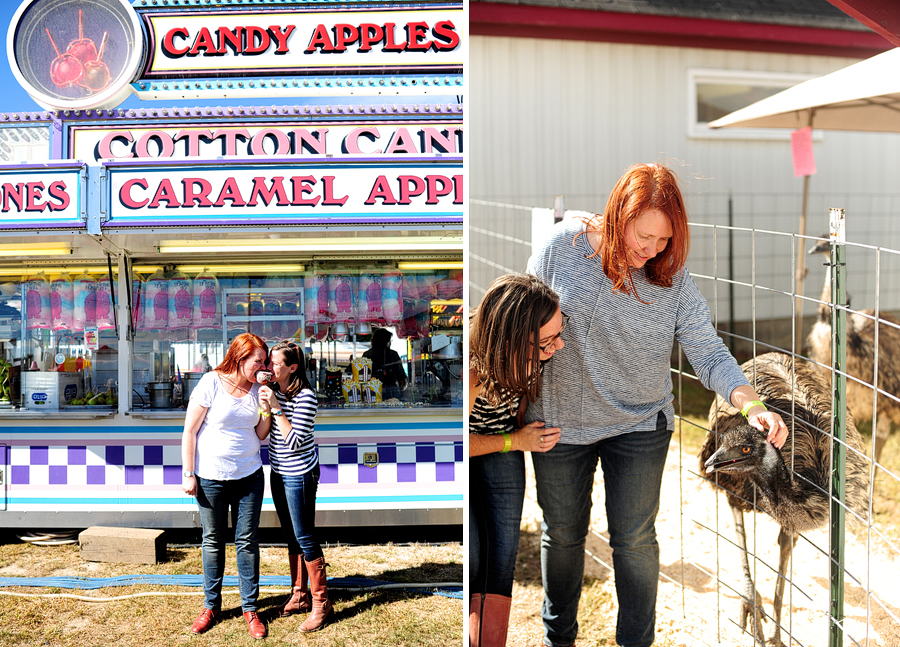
(726, 458)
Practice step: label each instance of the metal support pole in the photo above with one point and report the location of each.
(839, 424)
(731, 340)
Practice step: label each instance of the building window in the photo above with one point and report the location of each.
(715, 93)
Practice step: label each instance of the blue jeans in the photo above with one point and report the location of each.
(496, 494)
(214, 498)
(295, 503)
(632, 473)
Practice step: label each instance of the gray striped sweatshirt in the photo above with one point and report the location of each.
(612, 376)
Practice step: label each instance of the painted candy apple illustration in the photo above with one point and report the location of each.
(96, 73)
(65, 70)
(81, 64)
(83, 49)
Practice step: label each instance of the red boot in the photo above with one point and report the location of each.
(321, 605)
(475, 603)
(494, 620)
(298, 601)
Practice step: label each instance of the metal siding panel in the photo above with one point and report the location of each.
(566, 118)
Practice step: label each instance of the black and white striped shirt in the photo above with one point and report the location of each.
(487, 419)
(296, 453)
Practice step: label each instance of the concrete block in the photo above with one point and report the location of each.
(125, 545)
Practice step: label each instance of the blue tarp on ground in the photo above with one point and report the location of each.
(87, 583)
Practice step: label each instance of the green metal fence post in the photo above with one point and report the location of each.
(839, 424)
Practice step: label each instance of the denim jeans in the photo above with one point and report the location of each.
(496, 494)
(214, 498)
(295, 503)
(632, 466)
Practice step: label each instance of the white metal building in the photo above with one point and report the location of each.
(566, 95)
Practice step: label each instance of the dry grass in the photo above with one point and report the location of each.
(362, 618)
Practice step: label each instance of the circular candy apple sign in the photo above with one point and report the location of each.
(75, 54)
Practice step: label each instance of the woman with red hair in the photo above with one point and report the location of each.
(222, 468)
(620, 276)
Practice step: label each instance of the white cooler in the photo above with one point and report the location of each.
(49, 390)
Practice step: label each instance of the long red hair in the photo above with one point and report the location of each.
(643, 187)
(241, 348)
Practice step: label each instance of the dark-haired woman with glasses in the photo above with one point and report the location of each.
(291, 404)
(513, 331)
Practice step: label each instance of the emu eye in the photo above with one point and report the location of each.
(745, 450)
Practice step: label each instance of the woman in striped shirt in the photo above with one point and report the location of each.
(294, 479)
(515, 329)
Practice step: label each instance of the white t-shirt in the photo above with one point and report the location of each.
(227, 445)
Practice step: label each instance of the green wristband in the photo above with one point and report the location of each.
(750, 405)
(507, 443)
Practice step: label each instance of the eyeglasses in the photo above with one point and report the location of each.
(545, 348)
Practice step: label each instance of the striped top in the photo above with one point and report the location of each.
(486, 419)
(296, 454)
(613, 374)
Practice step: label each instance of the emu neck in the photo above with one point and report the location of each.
(824, 310)
(773, 479)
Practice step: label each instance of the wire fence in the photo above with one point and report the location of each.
(839, 587)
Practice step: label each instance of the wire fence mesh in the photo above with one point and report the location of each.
(747, 276)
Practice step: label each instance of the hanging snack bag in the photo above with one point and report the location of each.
(205, 302)
(156, 302)
(36, 290)
(85, 299)
(391, 297)
(104, 308)
(371, 299)
(180, 310)
(62, 302)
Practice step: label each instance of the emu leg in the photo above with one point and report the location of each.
(786, 542)
(751, 600)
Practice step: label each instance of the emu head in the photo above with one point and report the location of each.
(745, 449)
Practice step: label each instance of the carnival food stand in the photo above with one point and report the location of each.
(147, 239)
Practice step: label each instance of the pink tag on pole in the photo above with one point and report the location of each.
(802, 151)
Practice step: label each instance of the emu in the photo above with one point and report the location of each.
(792, 484)
(861, 360)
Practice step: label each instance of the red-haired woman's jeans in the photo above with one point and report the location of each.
(632, 476)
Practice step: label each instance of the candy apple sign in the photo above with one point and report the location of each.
(75, 54)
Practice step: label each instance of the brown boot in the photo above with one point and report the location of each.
(475, 603)
(298, 601)
(494, 620)
(321, 605)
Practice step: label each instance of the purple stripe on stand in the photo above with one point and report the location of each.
(58, 475)
(328, 474)
(77, 455)
(347, 455)
(40, 455)
(153, 455)
(425, 453)
(96, 475)
(171, 474)
(444, 471)
(18, 475)
(115, 454)
(406, 472)
(134, 475)
(367, 474)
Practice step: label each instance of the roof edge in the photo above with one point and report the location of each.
(521, 21)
